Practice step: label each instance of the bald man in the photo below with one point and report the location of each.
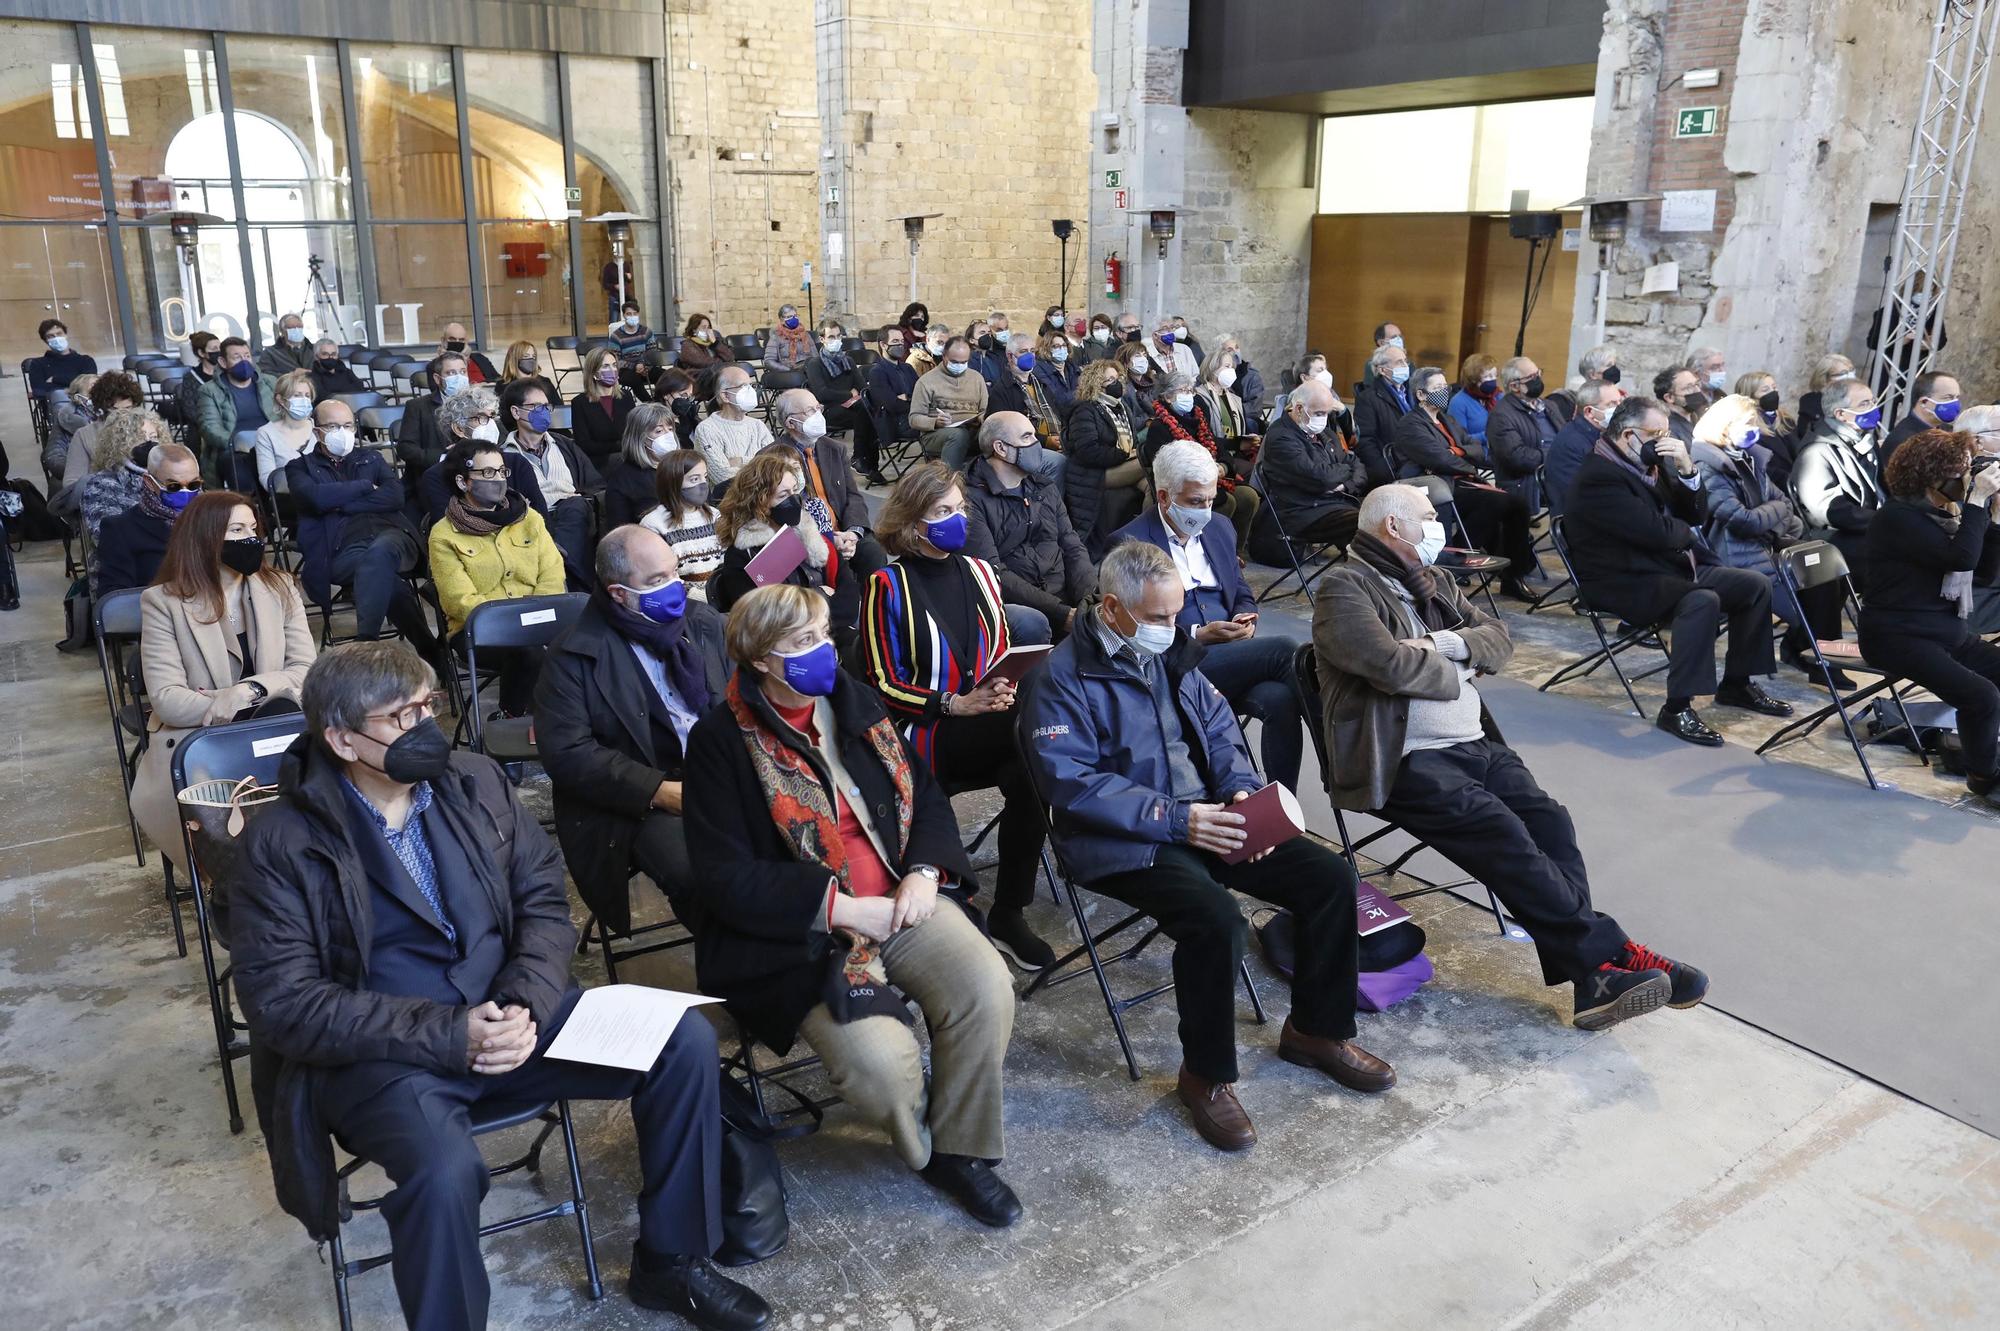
(830, 476)
(1313, 481)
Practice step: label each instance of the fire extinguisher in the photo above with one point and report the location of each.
(1114, 276)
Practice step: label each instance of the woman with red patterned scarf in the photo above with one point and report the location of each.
(831, 891)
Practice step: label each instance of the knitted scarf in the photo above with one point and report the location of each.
(484, 522)
(154, 506)
(1115, 409)
(802, 807)
(1424, 583)
(1165, 415)
(667, 641)
(1957, 587)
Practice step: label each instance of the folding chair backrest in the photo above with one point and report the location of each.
(1312, 707)
(118, 613)
(1436, 489)
(234, 751)
(522, 621)
(1813, 564)
(746, 346)
(360, 402)
(379, 422)
(778, 381)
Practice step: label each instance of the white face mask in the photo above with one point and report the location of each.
(338, 443)
(1226, 377)
(1324, 376)
(1002, 336)
(1152, 639)
(1184, 403)
(1100, 334)
(1138, 365)
(745, 397)
(1316, 424)
(487, 432)
(813, 426)
(1430, 544)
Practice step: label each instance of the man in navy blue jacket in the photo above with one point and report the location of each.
(1253, 670)
(1139, 759)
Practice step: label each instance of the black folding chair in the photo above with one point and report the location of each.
(746, 348)
(1065, 967)
(558, 347)
(378, 423)
(1312, 707)
(1812, 564)
(523, 623)
(360, 402)
(116, 617)
(226, 753)
(773, 382)
(486, 1118)
(1609, 645)
(1315, 554)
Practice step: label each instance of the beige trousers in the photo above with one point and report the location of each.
(967, 999)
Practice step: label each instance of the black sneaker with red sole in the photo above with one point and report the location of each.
(1690, 985)
(1611, 994)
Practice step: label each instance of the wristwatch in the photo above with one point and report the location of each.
(261, 691)
(929, 871)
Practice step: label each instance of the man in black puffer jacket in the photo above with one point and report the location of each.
(401, 942)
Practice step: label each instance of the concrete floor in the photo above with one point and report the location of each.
(1684, 1169)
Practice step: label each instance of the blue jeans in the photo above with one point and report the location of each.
(1255, 675)
(1027, 626)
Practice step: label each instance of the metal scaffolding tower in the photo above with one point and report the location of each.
(1919, 276)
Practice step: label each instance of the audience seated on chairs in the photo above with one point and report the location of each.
(1934, 405)
(729, 435)
(1679, 391)
(330, 374)
(523, 365)
(790, 344)
(841, 391)
(1633, 524)
(119, 478)
(675, 388)
(55, 368)
(1313, 482)
(767, 496)
(1248, 385)
(239, 400)
(1594, 404)
(1779, 430)
(289, 351)
(1520, 432)
(1169, 356)
(290, 433)
(1829, 369)
(1018, 386)
(684, 518)
(947, 403)
(207, 350)
(630, 482)
(1102, 476)
(830, 886)
(1055, 371)
(925, 342)
(702, 347)
(221, 636)
(563, 473)
(1410, 741)
(1749, 520)
(1836, 481)
(1379, 406)
(620, 689)
(1981, 425)
(1220, 391)
(1252, 669)
(472, 415)
(1179, 415)
(452, 341)
(631, 338)
(933, 624)
(1139, 758)
(1017, 523)
(353, 531)
(597, 414)
(1102, 342)
(1428, 441)
(130, 545)
(1477, 394)
(1141, 378)
(420, 441)
(74, 418)
(402, 944)
(491, 546)
(829, 478)
(891, 380)
(1926, 547)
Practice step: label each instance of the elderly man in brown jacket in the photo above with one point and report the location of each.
(1409, 740)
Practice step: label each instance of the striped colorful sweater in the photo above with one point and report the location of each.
(909, 661)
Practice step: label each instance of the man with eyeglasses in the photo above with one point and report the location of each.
(130, 545)
(564, 473)
(1934, 405)
(1632, 523)
(402, 945)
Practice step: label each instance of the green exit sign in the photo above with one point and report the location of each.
(1694, 122)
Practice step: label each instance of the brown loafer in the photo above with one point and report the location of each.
(1218, 1115)
(1343, 1060)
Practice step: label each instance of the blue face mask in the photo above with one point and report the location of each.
(1750, 437)
(948, 535)
(663, 604)
(539, 418)
(1025, 361)
(792, 322)
(179, 499)
(1868, 419)
(1167, 338)
(812, 671)
(1401, 374)
(1059, 355)
(295, 335)
(1947, 412)
(455, 384)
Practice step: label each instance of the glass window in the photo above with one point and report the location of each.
(311, 271)
(424, 281)
(642, 277)
(48, 159)
(60, 272)
(611, 105)
(515, 117)
(163, 120)
(294, 146)
(1475, 157)
(526, 270)
(409, 133)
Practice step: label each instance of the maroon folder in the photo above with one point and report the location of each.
(1375, 910)
(1272, 816)
(1016, 662)
(775, 562)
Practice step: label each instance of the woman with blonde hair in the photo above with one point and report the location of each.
(1103, 480)
(291, 432)
(1828, 369)
(524, 362)
(118, 468)
(597, 414)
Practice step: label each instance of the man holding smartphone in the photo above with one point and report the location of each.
(1253, 672)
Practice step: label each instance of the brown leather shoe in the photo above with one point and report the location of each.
(1218, 1115)
(1343, 1060)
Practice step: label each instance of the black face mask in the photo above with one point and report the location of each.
(1135, 336)
(327, 366)
(1534, 386)
(1116, 388)
(1611, 374)
(918, 322)
(243, 556)
(786, 513)
(1649, 454)
(1769, 403)
(683, 407)
(454, 345)
(1954, 489)
(423, 753)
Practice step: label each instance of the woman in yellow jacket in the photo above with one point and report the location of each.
(491, 546)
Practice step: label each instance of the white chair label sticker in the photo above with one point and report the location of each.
(264, 748)
(538, 617)
(1812, 559)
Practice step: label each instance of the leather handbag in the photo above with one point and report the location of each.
(755, 1225)
(215, 813)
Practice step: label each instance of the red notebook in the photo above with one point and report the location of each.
(775, 562)
(1375, 910)
(1016, 662)
(1272, 816)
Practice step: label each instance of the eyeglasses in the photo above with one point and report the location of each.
(482, 418)
(409, 714)
(486, 473)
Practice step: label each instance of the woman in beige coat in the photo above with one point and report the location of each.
(220, 635)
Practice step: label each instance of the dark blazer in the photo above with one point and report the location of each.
(629, 492)
(521, 479)
(595, 432)
(419, 441)
(1305, 478)
(1376, 412)
(340, 379)
(1571, 446)
(832, 389)
(1905, 429)
(1517, 443)
(757, 913)
(1631, 540)
(889, 389)
(1218, 542)
(130, 546)
(1418, 447)
(592, 703)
